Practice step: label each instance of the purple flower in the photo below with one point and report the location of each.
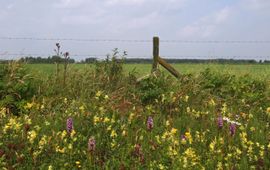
(91, 144)
(232, 129)
(150, 123)
(69, 125)
(220, 121)
(183, 137)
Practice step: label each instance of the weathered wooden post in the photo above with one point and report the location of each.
(155, 53)
(168, 67)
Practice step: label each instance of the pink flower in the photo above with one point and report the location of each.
(232, 129)
(150, 123)
(220, 121)
(69, 125)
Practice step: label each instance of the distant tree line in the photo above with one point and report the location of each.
(58, 59)
(150, 61)
(49, 60)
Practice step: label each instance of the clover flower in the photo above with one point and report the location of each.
(150, 123)
(69, 125)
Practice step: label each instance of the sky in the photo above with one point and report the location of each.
(184, 20)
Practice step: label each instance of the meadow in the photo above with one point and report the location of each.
(101, 117)
(254, 70)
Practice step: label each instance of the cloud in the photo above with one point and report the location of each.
(69, 3)
(125, 2)
(206, 26)
(256, 4)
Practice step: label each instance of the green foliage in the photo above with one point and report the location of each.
(151, 89)
(16, 86)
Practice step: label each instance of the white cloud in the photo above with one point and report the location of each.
(222, 15)
(141, 22)
(124, 2)
(69, 3)
(207, 25)
(256, 4)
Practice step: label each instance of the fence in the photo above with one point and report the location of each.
(157, 59)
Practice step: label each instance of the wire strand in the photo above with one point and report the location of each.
(141, 41)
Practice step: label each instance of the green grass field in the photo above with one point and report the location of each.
(255, 70)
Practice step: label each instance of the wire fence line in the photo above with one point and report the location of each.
(140, 41)
(85, 40)
(139, 56)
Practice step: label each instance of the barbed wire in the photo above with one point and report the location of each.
(75, 39)
(144, 56)
(141, 41)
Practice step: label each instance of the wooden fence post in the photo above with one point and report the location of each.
(168, 67)
(155, 53)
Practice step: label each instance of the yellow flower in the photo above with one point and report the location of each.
(78, 162)
(172, 151)
(31, 136)
(27, 120)
(219, 166)
(189, 137)
(57, 149)
(12, 124)
(82, 108)
(268, 110)
(161, 167)
(190, 158)
(252, 129)
(98, 94)
(106, 97)
(212, 145)
(50, 167)
(73, 132)
(124, 133)
(106, 119)
(238, 151)
(3, 112)
(96, 120)
(113, 134)
(165, 135)
(186, 98)
(63, 134)
(42, 142)
(212, 102)
(109, 128)
(29, 105)
(173, 131)
(130, 118)
(167, 123)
